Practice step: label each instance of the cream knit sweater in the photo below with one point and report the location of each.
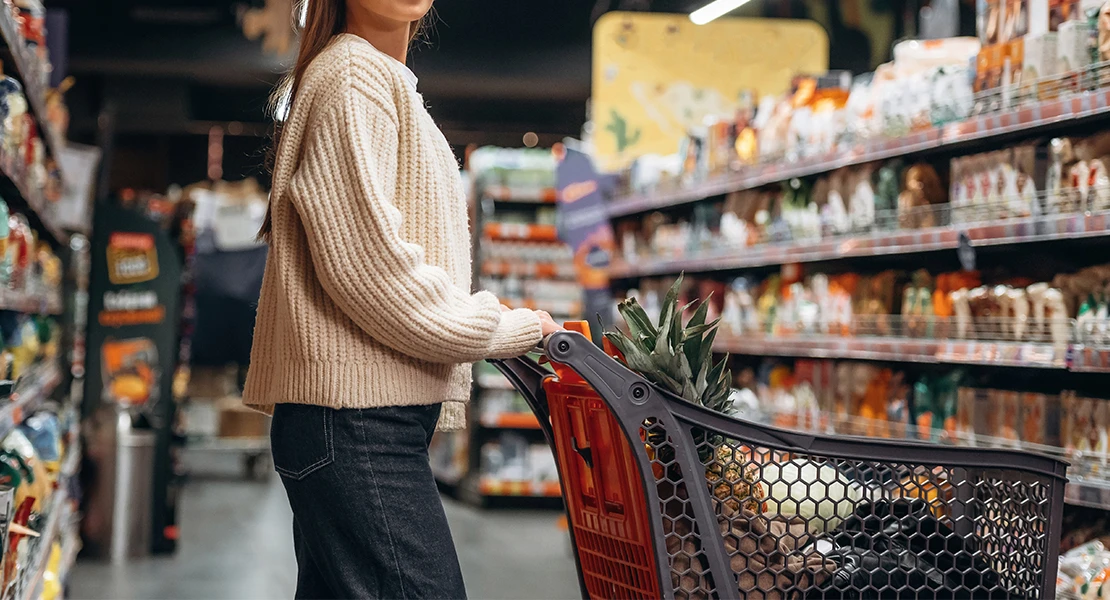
(365, 297)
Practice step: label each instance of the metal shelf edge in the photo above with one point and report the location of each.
(1046, 113)
(987, 233)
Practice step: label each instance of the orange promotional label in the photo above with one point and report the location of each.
(132, 258)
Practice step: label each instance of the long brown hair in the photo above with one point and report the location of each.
(324, 19)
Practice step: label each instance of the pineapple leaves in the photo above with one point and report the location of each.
(639, 324)
(677, 358)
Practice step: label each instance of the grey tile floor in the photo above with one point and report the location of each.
(236, 545)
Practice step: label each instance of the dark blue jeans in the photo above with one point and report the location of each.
(367, 518)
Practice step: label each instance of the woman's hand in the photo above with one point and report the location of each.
(547, 324)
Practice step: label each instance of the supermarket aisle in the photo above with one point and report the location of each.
(235, 546)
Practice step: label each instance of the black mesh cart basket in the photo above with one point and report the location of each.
(667, 499)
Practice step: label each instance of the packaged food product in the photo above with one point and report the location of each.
(860, 112)
(1058, 171)
(988, 20)
(1004, 417)
(924, 408)
(1061, 11)
(965, 415)
(952, 97)
(898, 405)
(45, 434)
(718, 146)
(1033, 418)
(1098, 184)
(1103, 33)
(862, 204)
(873, 407)
(1098, 436)
(1040, 66)
(922, 190)
(1013, 59)
(988, 69)
(39, 483)
(1073, 54)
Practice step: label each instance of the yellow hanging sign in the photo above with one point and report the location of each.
(656, 75)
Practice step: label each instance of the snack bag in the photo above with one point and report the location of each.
(1098, 435)
(965, 415)
(1033, 418)
(1009, 408)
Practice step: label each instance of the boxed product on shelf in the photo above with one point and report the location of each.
(513, 458)
(36, 462)
(1085, 426)
(521, 171)
(1015, 315)
(1028, 180)
(873, 400)
(499, 402)
(520, 259)
(928, 84)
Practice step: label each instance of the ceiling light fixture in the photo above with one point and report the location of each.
(717, 8)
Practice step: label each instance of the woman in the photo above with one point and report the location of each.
(365, 324)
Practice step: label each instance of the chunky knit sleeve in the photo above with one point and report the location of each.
(344, 190)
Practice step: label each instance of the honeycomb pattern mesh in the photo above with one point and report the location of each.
(806, 526)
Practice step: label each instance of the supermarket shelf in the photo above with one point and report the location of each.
(994, 353)
(1083, 491)
(1092, 358)
(30, 392)
(533, 270)
(43, 214)
(489, 486)
(907, 241)
(1087, 484)
(50, 532)
(1033, 116)
(828, 346)
(521, 232)
(510, 420)
(29, 303)
(53, 528)
(556, 308)
(33, 74)
(493, 382)
(503, 193)
(446, 469)
(72, 461)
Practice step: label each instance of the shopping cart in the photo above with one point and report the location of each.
(667, 499)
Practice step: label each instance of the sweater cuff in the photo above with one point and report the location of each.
(518, 332)
(452, 417)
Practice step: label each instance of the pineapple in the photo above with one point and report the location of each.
(734, 480)
(679, 359)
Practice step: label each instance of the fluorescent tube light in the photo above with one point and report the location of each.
(717, 8)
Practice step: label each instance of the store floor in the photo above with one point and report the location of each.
(236, 545)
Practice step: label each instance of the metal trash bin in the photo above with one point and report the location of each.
(118, 522)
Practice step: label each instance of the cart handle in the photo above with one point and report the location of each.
(527, 377)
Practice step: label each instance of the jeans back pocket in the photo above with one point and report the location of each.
(301, 439)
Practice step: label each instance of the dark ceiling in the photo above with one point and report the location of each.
(489, 67)
(169, 70)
